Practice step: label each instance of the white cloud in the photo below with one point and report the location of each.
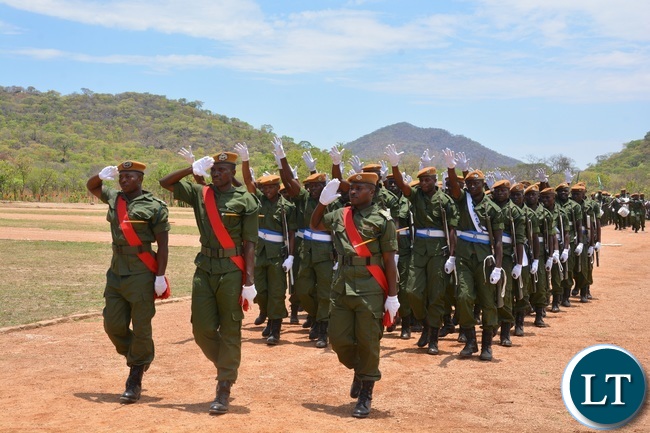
(9, 29)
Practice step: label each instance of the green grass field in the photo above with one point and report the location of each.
(42, 280)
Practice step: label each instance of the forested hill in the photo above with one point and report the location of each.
(414, 140)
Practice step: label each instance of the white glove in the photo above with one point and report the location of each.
(578, 249)
(266, 173)
(242, 150)
(392, 155)
(534, 266)
(252, 172)
(597, 246)
(248, 294)
(278, 149)
(549, 264)
(336, 266)
(556, 256)
(450, 265)
(590, 251)
(351, 172)
(450, 158)
(109, 173)
(187, 154)
(541, 175)
(278, 162)
(310, 162)
(565, 255)
(160, 285)
(391, 305)
(383, 171)
(356, 163)
(336, 155)
(462, 162)
(516, 271)
(490, 179)
(396, 259)
(495, 275)
(294, 171)
(329, 194)
(201, 166)
(408, 179)
(568, 176)
(426, 160)
(287, 264)
(509, 176)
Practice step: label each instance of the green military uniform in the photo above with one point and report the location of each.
(574, 213)
(637, 213)
(512, 216)
(581, 262)
(129, 293)
(270, 253)
(531, 227)
(427, 293)
(385, 199)
(358, 299)
(472, 249)
(561, 222)
(316, 261)
(217, 283)
(547, 230)
(592, 212)
(404, 250)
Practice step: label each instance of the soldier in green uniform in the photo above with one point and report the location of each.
(435, 217)
(314, 278)
(643, 210)
(637, 212)
(560, 263)
(365, 283)
(224, 279)
(592, 230)
(137, 220)
(274, 250)
(479, 252)
(584, 247)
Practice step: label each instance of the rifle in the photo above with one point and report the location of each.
(565, 274)
(595, 231)
(446, 229)
(488, 223)
(529, 251)
(285, 237)
(515, 258)
(575, 229)
(590, 233)
(548, 241)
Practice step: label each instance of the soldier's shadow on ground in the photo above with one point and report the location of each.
(344, 410)
(201, 408)
(110, 398)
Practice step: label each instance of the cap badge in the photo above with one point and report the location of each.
(222, 157)
(127, 164)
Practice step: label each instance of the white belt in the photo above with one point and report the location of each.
(404, 233)
(317, 236)
(270, 236)
(506, 239)
(474, 237)
(300, 233)
(429, 233)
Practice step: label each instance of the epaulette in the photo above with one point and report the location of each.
(386, 214)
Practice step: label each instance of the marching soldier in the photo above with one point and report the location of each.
(581, 268)
(365, 281)
(224, 279)
(137, 273)
(562, 239)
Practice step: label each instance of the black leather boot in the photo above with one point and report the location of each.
(133, 385)
(309, 322)
(519, 324)
(362, 409)
(575, 291)
(405, 333)
(220, 404)
(447, 327)
(539, 317)
(583, 295)
(355, 388)
(433, 341)
(555, 306)
(462, 338)
(486, 345)
(505, 334)
(424, 337)
(260, 319)
(314, 330)
(589, 293)
(393, 326)
(471, 346)
(565, 298)
(267, 329)
(321, 343)
(293, 318)
(276, 326)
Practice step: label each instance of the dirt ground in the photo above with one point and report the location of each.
(67, 377)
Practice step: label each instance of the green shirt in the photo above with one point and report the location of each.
(574, 212)
(486, 210)
(271, 218)
(239, 211)
(319, 251)
(427, 214)
(404, 221)
(145, 207)
(371, 223)
(547, 229)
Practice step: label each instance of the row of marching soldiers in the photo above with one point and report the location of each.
(623, 210)
(477, 249)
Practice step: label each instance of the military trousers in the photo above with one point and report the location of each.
(538, 297)
(427, 293)
(355, 330)
(474, 288)
(522, 298)
(505, 313)
(313, 286)
(405, 271)
(129, 300)
(271, 286)
(217, 319)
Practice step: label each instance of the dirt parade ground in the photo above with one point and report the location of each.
(67, 377)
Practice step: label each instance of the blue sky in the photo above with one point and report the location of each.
(519, 76)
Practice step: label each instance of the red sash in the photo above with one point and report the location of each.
(223, 236)
(362, 250)
(132, 238)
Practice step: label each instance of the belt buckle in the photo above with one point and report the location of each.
(474, 235)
